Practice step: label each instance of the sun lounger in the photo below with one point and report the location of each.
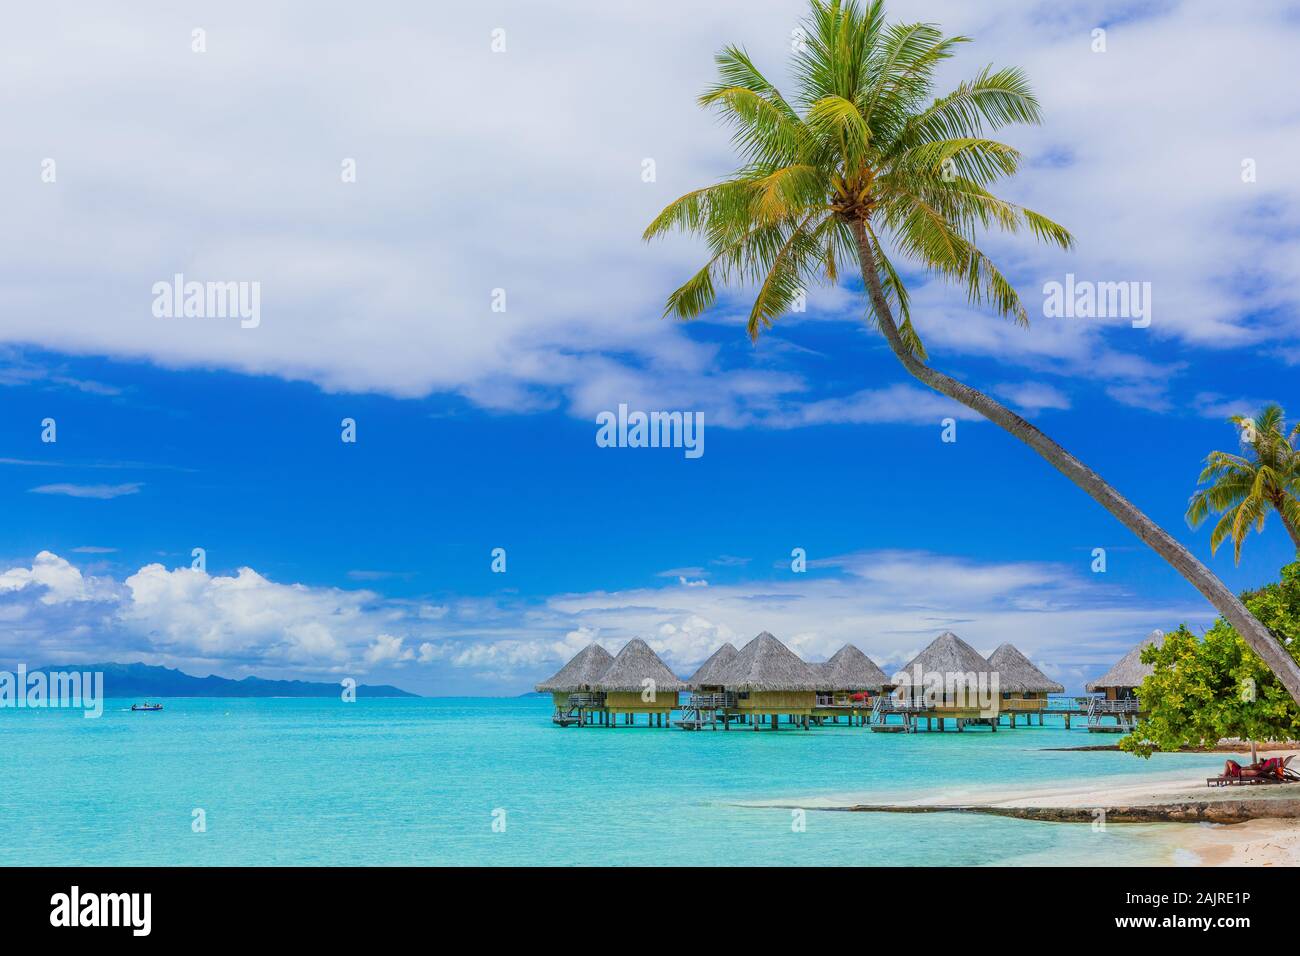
(1273, 770)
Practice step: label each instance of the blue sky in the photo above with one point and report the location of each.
(476, 428)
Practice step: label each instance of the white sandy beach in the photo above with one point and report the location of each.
(1258, 842)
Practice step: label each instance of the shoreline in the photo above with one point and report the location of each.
(1227, 748)
(1226, 812)
(1255, 825)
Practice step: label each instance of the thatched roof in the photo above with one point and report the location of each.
(948, 654)
(1017, 674)
(711, 671)
(1129, 670)
(636, 663)
(580, 673)
(849, 669)
(767, 664)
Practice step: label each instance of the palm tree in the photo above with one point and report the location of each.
(859, 165)
(1245, 489)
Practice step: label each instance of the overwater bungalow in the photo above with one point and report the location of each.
(947, 680)
(845, 685)
(710, 701)
(708, 678)
(638, 682)
(1119, 687)
(769, 680)
(572, 687)
(1023, 688)
(1122, 681)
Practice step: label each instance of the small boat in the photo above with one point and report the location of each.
(146, 706)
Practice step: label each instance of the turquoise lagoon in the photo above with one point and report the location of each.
(417, 781)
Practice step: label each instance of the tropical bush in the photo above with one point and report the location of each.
(1208, 688)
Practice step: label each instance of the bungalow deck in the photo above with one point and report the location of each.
(1094, 709)
(720, 711)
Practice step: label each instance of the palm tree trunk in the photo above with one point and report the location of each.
(1259, 637)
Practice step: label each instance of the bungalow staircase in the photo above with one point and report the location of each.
(577, 709)
(877, 710)
(1125, 713)
(564, 716)
(701, 711)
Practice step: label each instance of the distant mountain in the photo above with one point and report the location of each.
(147, 680)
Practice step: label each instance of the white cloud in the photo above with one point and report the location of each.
(188, 611)
(1033, 397)
(387, 650)
(89, 491)
(1152, 395)
(889, 603)
(56, 580)
(385, 284)
(1220, 407)
(895, 404)
(430, 652)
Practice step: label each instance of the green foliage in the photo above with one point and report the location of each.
(1205, 689)
(1247, 488)
(862, 142)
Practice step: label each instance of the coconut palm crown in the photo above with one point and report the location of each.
(1245, 488)
(862, 144)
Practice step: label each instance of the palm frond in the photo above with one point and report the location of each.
(784, 280)
(862, 145)
(762, 131)
(993, 99)
(838, 120)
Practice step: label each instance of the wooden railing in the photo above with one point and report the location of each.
(1069, 703)
(721, 701)
(1102, 706)
(1023, 703)
(841, 700)
(908, 706)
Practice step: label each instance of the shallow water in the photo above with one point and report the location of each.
(417, 781)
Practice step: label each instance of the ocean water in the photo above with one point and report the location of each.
(420, 781)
